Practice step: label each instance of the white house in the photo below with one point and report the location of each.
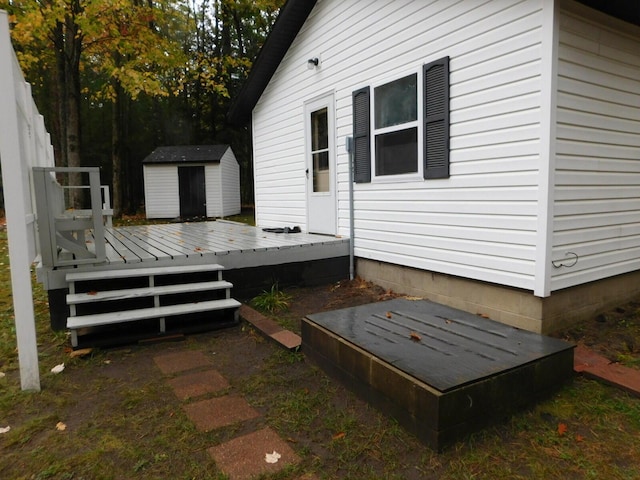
(496, 143)
(191, 181)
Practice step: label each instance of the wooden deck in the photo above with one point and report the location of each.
(230, 244)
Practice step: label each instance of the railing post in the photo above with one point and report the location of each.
(96, 212)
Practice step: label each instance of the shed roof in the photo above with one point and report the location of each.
(293, 15)
(186, 154)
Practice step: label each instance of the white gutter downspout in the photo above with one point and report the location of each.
(349, 146)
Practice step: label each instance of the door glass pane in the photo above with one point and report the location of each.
(319, 134)
(320, 150)
(396, 102)
(321, 172)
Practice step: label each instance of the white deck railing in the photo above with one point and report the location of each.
(62, 228)
(24, 143)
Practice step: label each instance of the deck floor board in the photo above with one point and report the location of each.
(231, 244)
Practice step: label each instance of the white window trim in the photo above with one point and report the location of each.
(419, 123)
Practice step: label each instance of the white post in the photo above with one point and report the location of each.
(14, 179)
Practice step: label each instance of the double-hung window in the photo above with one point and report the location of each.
(395, 126)
(408, 132)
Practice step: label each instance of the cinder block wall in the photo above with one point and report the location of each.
(512, 306)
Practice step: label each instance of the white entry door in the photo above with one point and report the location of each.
(320, 168)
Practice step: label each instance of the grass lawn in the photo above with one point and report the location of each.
(112, 415)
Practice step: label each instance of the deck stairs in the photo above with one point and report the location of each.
(111, 297)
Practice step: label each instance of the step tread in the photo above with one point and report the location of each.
(140, 272)
(110, 295)
(144, 313)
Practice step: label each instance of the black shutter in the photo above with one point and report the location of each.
(361, 141)
(436, 119)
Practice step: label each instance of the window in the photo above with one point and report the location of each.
(405, 131)
(396, 127)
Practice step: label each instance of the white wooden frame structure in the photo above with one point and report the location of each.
(62, 228)
(24, 143)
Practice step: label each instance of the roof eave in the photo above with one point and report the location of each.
(628, 11)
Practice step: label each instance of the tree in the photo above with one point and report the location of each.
(135, 52)
(116, 78)
(54, 26)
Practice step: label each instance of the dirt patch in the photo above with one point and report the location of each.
(614, 334)
(344, 294)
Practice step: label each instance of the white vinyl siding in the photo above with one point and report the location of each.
(597, 191)
(212, 181)
(230, 184)
(161, 191)
(479, 223)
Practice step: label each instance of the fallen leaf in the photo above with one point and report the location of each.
(413, 299)
(58, 368)
(579, 438)
(562, 429)
(5, 429)
(483, 315)
(92, 292)
(81, 352)
(389, 315)
(272, 457)
(415, 337)
(198, 249)
(107, 362)
(339, 435)
(61, 427)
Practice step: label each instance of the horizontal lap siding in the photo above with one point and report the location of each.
(230, 171)
(161, 191)
(212, 189)
(479, 223)
(597, 195)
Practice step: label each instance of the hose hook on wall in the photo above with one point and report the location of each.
(572, 260)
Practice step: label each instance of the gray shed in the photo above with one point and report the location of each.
(191, 181)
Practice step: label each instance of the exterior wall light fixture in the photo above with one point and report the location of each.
(313, 63)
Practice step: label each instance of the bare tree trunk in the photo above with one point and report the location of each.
(71, 100)
(60, 94)
(116, 151)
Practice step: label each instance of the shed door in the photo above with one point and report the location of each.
(191, 188)
(320, 147)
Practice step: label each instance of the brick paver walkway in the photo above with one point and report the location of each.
(210, 403)
(600, 368)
